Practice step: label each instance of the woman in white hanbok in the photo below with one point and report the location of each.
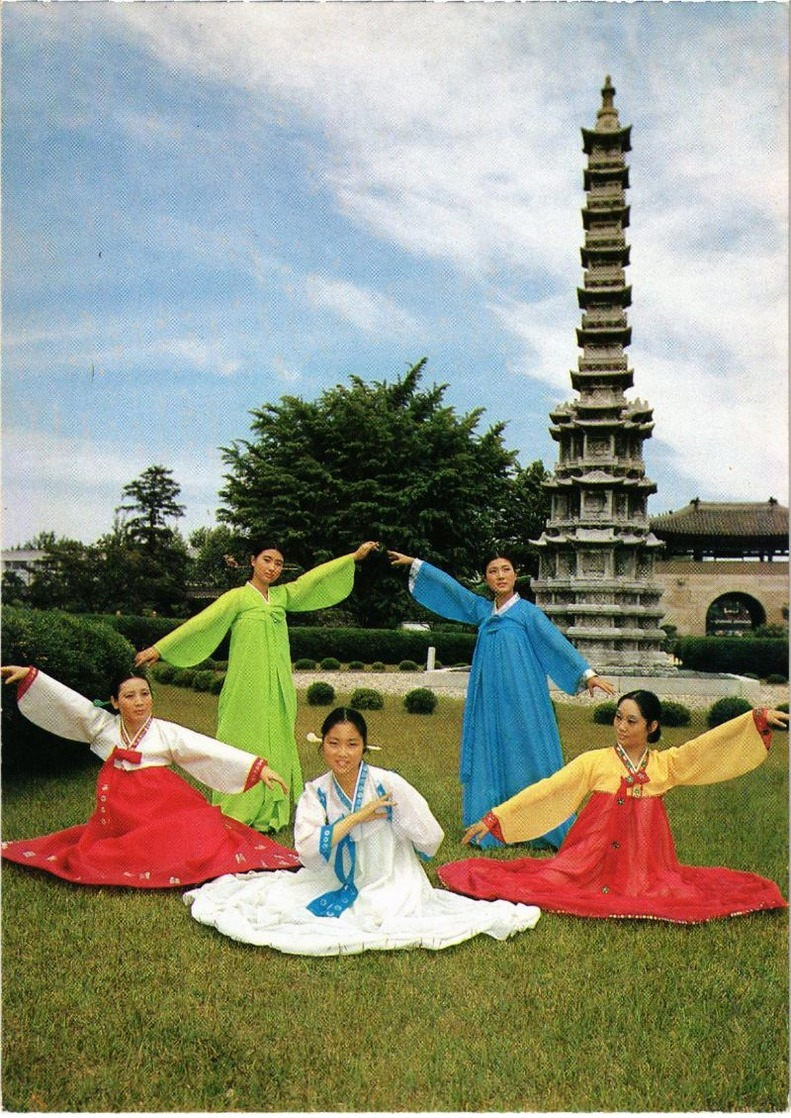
(360, 832)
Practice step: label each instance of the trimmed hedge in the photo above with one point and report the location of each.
(420, 701)
(82, 653)
(726, 708)
(761, 656)
(317, 642)
(603, 713)
(320, 694)
(367, 698)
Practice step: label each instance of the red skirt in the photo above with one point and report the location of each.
(618, 860)
(150, 830)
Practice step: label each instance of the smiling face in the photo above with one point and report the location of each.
(267, 568)
(342, 747)
(500, 578)
(134, 702)
(632, 728)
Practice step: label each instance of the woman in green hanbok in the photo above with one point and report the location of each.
(258, 703)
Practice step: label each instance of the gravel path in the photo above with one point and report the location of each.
(398, 683)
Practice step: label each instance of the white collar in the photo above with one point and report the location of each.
(506, 605)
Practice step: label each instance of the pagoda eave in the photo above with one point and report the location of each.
(592, 139)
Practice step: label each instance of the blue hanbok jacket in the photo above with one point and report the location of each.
(509, 734)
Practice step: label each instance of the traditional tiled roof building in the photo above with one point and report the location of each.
(725, 566)
(725, 530)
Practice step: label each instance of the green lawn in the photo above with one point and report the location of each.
(115, 1000)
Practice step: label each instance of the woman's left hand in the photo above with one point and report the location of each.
(778, 719)
(365, 549)
(602, 684)
(475, 833)
(270, 778)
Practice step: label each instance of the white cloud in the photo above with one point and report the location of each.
(368, 310)
(71, 485)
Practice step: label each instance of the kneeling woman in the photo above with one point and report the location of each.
(359, 832)
(619, 859)
(150, 829)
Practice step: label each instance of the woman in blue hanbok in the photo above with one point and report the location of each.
(509, 734)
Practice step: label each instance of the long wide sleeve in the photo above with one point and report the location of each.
(547, 803)
(412, 818)
(323, 586)
(559, 658)
(730, 750)
(198, 637)
(214, 763)
(312, 830)
(443, 595)
(61, 711)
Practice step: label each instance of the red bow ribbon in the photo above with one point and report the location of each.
(133, 756)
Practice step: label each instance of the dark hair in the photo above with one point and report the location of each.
(257, 544)
(650, 707)
(117, 682)
(346, 714)
(495, 554)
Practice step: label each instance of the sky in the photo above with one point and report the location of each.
(209, 206)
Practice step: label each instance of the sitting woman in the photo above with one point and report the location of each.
(150, 829)
(619, 859)
(359, 831)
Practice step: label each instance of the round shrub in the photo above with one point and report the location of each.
(726, 708)
(420, 701)
(356, 666)
(367, 698)
(202, 681)
(408, 666)
(603, 713)
(776, 677)
(320, 694)
(304, 665)
(183, 677)
(85, 655)
(378, 666)
(330, 664)
(216, 684)
(675, 714)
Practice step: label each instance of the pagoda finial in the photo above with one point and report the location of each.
(607, 116)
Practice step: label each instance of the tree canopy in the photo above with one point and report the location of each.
(386, 461)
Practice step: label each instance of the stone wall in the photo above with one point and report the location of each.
(690, 588)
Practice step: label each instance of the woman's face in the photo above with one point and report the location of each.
(500, 577)
(342, 747)
(631, 728)
(134, 701)
(267, 567)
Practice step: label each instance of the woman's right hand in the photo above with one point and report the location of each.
(147, 656)
(399, 560)
(475, 833)
(12, 673)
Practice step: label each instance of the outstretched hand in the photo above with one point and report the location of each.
(778, 719)
(475, 833)
(146, 656)
(604, 685)
(399, 560)
(270, 778)
(365, 549)
(12, 673)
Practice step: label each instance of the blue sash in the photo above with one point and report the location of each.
(338, 900)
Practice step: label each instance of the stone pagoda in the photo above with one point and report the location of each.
(597, 550)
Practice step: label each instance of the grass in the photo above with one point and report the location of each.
(114, 1000)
